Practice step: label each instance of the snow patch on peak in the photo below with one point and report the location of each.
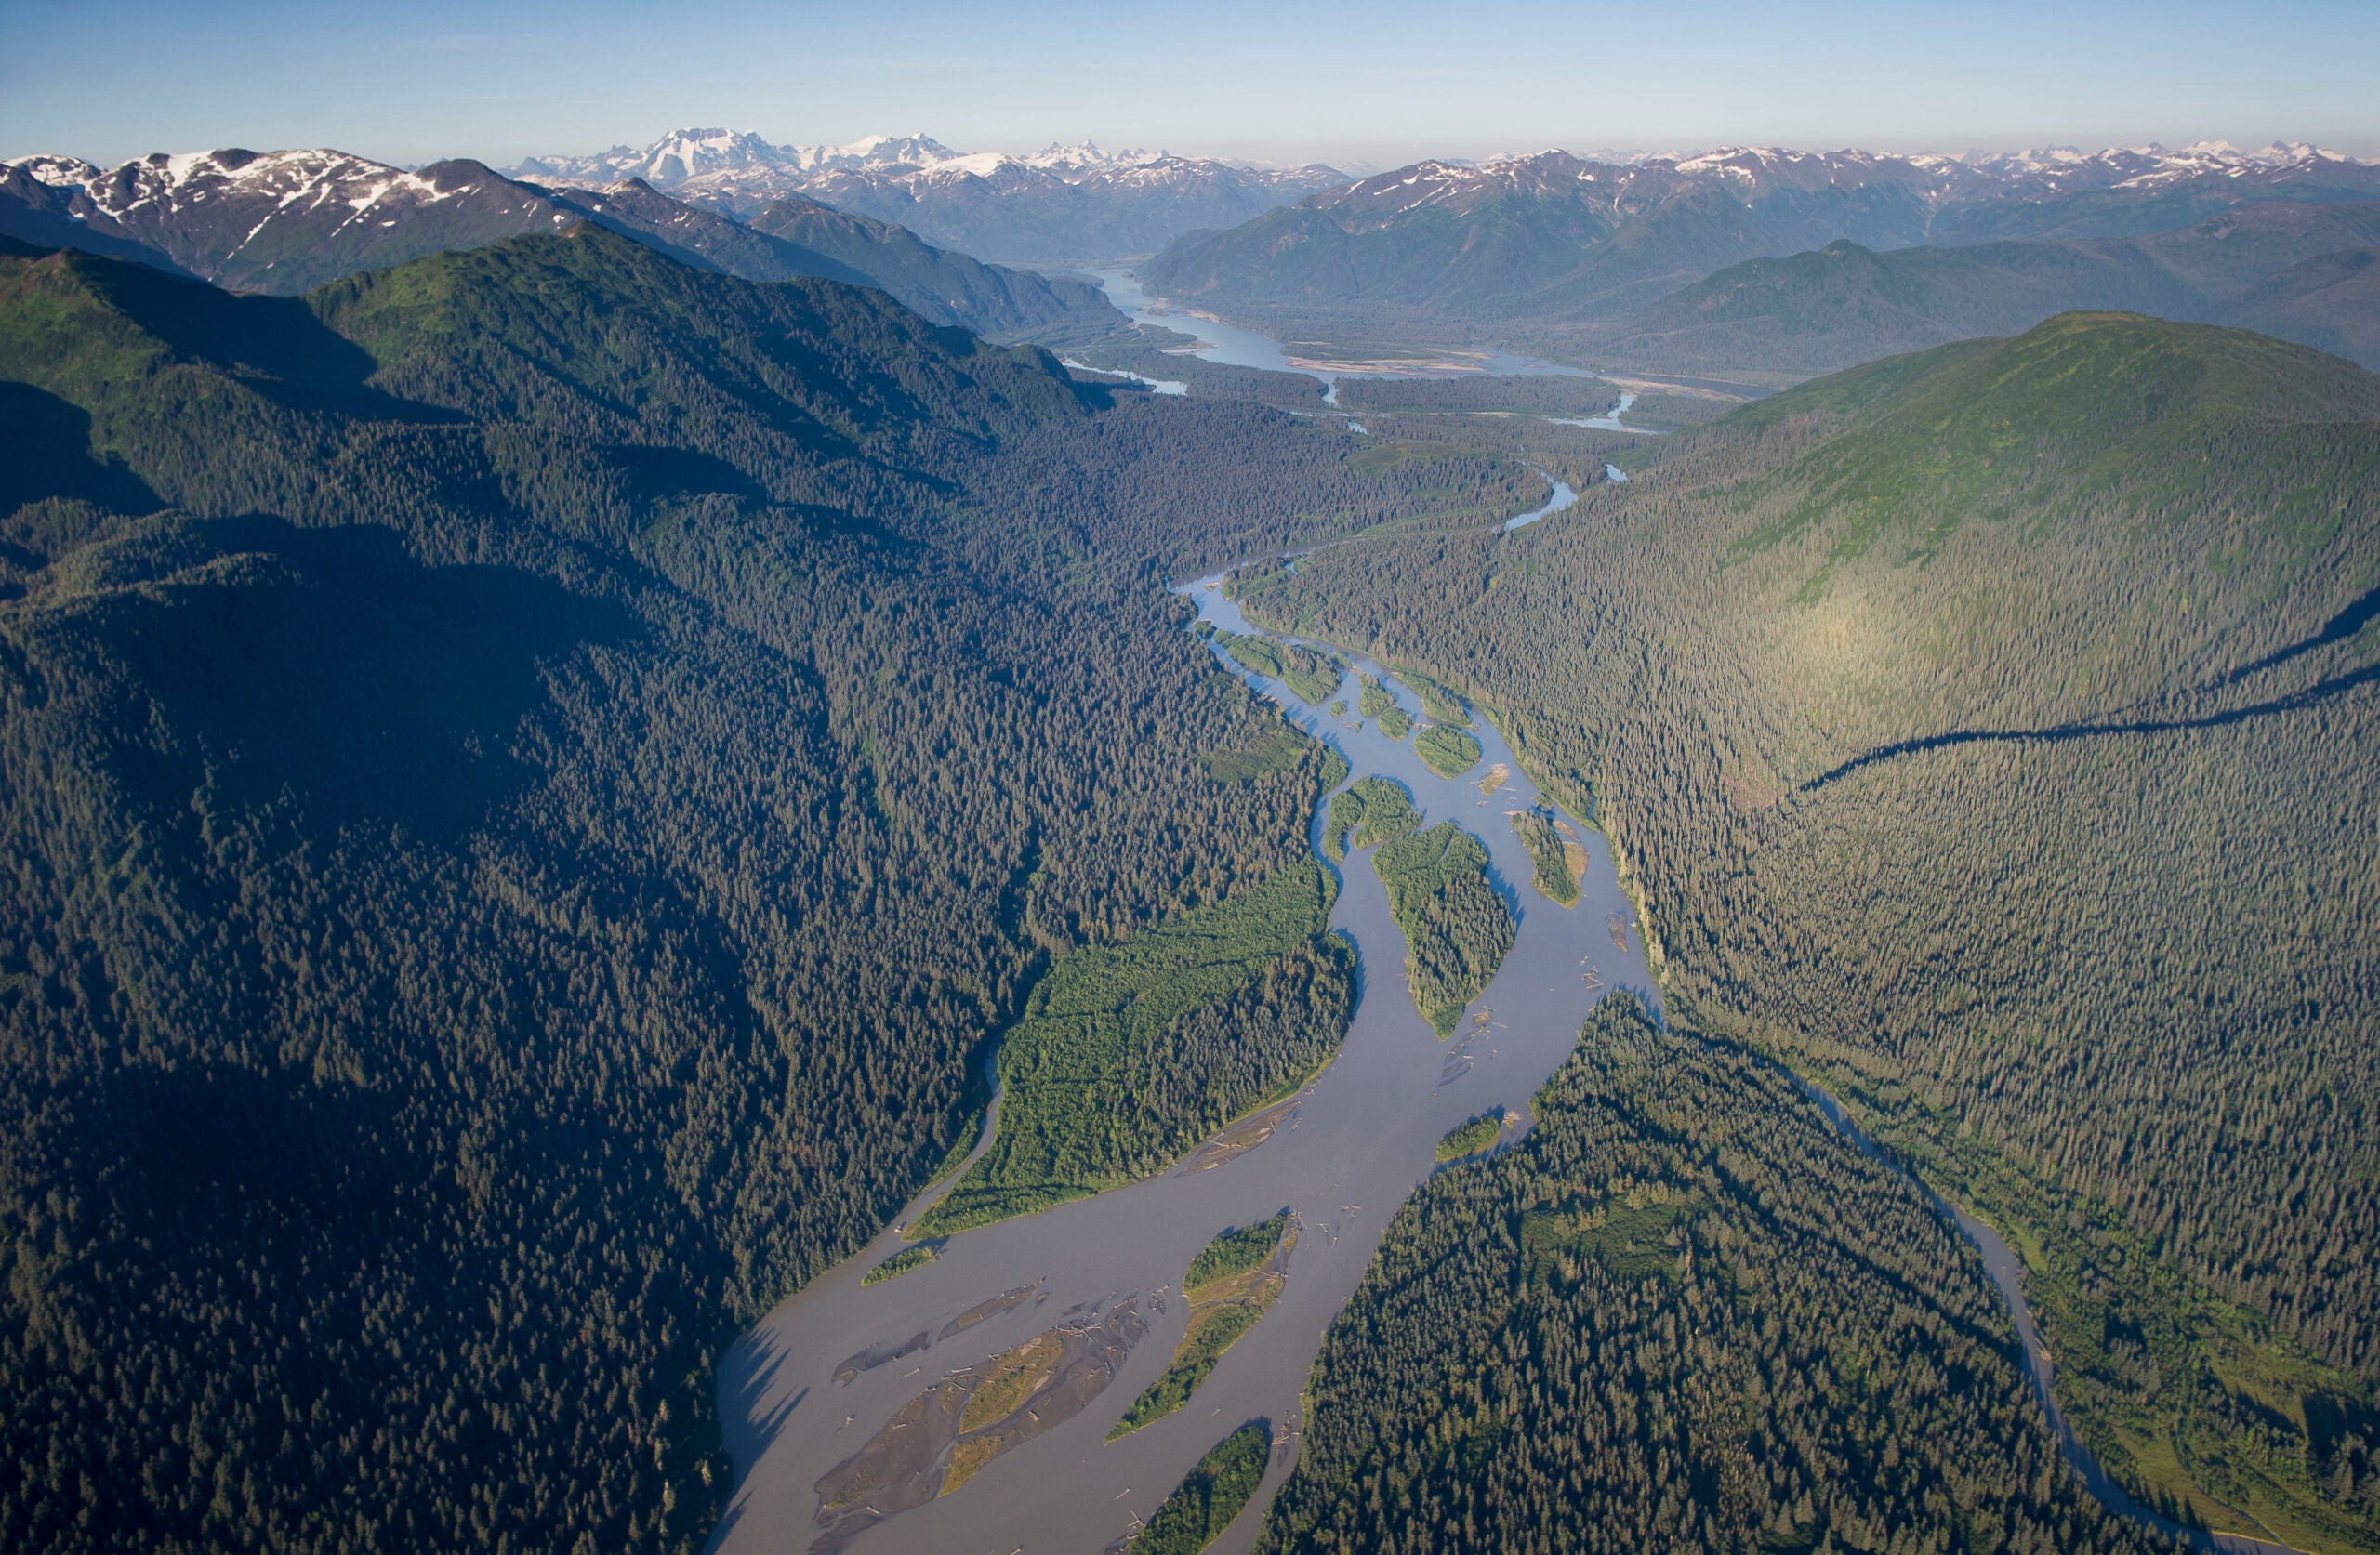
(59, 172)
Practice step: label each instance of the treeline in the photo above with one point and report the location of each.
(530, 779)
(1682, 1313)
(2099, 964)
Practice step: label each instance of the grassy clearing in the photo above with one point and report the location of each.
(1128, 1054)
(1013, 1379)
(1636, 1238)
(1277, 749)
(1232, 1283)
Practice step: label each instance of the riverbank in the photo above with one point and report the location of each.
(1342, 1154)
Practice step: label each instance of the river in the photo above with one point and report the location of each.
(1361, 1140)
(1237, 346)
(1357, 1144)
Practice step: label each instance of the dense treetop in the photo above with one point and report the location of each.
(531, 778)
(1991, 731)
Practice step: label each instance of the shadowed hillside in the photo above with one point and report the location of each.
(531, 776)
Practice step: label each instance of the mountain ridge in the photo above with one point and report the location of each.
(1839, 306)
(2028, 805)
(1552, 241)
(591, 743)
(1060, 206)
(285, 222)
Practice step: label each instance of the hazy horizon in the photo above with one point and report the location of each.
(116, 79)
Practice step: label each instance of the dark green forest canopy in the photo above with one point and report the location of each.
(531, 777)
(1682, 1313)
(1991, 732)
(1218, 1485)
(1457, 925)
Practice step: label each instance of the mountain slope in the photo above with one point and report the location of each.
(1060, 206)
(2330, 302)
(285, 222)
(1842, 305)
(1047, 308)
(1553, 239)
(1994, 734)
(794, 238)
(532, 774)
(277, 221)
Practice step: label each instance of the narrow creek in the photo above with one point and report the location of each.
(2007, 1274)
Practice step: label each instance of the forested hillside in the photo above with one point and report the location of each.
(1682, 1313)
(1991, 735)
(1836, 306)
(1541, 252)
(531, 777)
(285, 222)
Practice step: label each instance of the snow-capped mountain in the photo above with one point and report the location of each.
(287, 221)
(272, 221)
(1060, 205)
(1553, 236)
(2145, 167)
(707, 157)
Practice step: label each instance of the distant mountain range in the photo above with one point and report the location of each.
(1763, 264)
(2301, 272)
(284, 222)
(1060, 207)
(1554, 240)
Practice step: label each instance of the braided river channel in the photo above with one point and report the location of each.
(836, 1365)
(1346, 1152)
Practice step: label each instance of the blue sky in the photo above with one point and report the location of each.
(1386, 80)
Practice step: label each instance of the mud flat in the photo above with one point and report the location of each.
(1241, 1136)
(947, 1435)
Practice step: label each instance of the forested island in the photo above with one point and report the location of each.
(1457, 927)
